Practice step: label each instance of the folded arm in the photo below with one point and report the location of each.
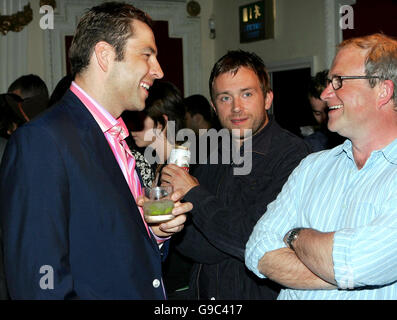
(284, 267)
(308, 265)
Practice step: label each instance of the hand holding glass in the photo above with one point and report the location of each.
(158, 204)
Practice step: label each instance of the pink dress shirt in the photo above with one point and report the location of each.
(109, 126)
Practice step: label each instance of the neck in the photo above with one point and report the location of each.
(375, 134)
(362, 149)
(167, 149)
(95, 88)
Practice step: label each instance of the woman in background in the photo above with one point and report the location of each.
(149, 128)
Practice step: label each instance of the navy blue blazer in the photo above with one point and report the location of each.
(66, 207)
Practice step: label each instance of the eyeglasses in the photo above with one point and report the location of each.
(337, 81)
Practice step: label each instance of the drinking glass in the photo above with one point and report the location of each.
(158, 204)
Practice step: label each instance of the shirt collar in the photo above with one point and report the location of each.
(389, 152)
(104, 119)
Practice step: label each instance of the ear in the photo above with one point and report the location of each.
(12, 128)
(386, 90)
(198, 118)
(213, 107)
(166, 119)
(268, 100)
(160, 126)
(104, 54)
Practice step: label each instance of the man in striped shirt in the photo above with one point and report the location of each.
(332, 231)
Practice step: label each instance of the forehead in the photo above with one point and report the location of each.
(244, 78)
(142, 35)
(349, 61)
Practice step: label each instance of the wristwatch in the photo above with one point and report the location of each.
(291, 236)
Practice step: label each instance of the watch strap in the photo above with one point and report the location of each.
(292, 235)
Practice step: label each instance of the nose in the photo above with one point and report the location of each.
(327, 93)
(156, 70)
(236, 105)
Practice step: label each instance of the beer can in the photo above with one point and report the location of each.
(180, 156)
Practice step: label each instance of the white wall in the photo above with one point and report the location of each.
(300, 33)
(22, 52)
(207, 44)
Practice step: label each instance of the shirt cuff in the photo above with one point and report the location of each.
(159, 240)
(257, 246)
(341, 254)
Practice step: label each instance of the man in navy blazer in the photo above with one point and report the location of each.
(70, 224)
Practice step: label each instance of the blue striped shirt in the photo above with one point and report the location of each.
(328, 193)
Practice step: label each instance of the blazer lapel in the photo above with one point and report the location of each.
(97, 145)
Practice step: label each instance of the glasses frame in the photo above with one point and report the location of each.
(340, 79)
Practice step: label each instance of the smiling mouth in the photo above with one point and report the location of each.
(339, 106)
(238, 121)
(145, 86)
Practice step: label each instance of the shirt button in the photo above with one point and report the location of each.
(156, 283)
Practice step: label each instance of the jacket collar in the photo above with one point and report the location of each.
(261, 139)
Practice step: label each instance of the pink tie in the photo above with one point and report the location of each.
(118, 132)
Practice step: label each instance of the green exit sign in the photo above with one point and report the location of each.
(257, 21)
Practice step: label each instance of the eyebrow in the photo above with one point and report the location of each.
(150, 49)
(228, 92)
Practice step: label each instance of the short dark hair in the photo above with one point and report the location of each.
(29, 85)
(233, 61)
(110, 22)
(318, 83)
(165, 99)
(60, 89)
(197, 103)
(8, 116)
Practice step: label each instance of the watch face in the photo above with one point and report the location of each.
(193, 8)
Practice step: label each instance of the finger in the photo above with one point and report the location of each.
(176, 196)
(166, 180)
(164, 183)
(180, 208)
(169, 169)
(140, 200)
(171, 231)
(174, 224)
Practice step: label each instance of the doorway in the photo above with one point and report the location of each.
(291, 107)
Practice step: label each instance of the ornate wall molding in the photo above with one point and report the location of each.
(13, 48)
(16, 21)
(180, 25)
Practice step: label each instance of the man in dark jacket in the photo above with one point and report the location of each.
(227, 204)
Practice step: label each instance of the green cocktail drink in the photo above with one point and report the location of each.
(158, 206)
(158, 211)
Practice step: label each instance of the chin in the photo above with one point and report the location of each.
(136, 106)
(143, 144)
(239, 133)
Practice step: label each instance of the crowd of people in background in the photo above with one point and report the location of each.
(313, 219)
